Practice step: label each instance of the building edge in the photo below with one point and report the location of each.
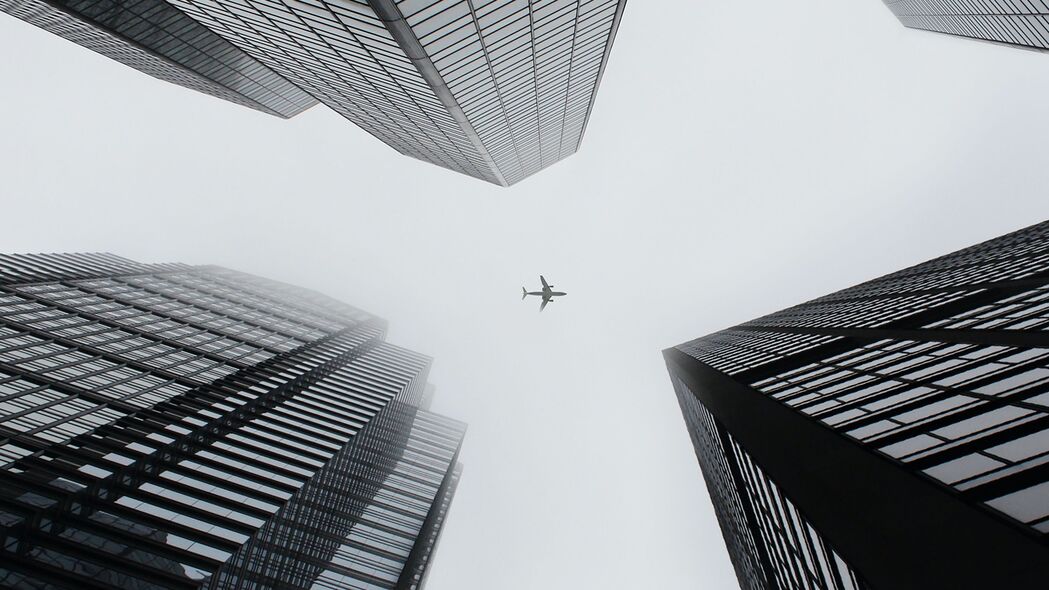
(902, 531)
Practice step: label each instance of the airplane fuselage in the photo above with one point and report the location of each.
(547, 293)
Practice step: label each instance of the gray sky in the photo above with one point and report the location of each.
(742, 157)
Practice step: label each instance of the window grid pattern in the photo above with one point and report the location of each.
(381, 542)
(1014, 256)
(189, 539)
(972, 417)
(802, 559)
(64, 365)
(771, 543)
(270, 290)
(305, 315)
(52, 416)
(735, 351)
(342, 55)
(863, 313)
(1028, 310)
(114, 343)
(900, 299)
(967, 406)
(417, 570)
(28, 268)
(243, 326)
(713, 455)
(278, 318)
(153, 37)
(1024, 23)
(524, 71)
(495, 89)
(296, 440)
(146, 323)
(134, 457)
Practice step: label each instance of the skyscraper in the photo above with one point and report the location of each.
(497, 90)
(173, 426)
(891, 435)
(1021, 23)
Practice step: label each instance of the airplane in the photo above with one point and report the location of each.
(547, 293)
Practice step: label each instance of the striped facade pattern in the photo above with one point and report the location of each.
(172, 426)
(941, 369)
(494, 89)
(1019, 23)
(155, 38)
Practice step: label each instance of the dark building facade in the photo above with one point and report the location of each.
(156, 38)
(1020, 23)
(173, 426)
(891, 435)
(495, 90)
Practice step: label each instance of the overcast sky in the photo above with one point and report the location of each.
(742, 157)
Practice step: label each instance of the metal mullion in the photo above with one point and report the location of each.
(389, 14)
(213, 498)
(166, 525)
(334, 427)
(100, 273)
(936, 516)
(140, 470)
(61, 578)
(114, 358)
(1007, 484)
(260, 447)
(980, 444)
(1013, 369)
(263, 311)
(132, 304)
(229, 484)
(724, 443)
(252, 461)
(158, 499)
(190, 303)
(613, 29)
(128, 567)
(243, 474)
(39, 429)
(940, 393)
(113, 324)
(203, 275)
(66, 388)
(132, 540)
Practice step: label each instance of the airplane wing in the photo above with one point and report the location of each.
(543, 306)
(545, 285)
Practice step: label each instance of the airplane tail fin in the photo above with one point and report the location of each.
(524, 292)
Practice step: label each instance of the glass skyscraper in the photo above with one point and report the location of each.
(156, 38)
(1021, 23)
(173, 426)
(891, 435)
(497, 90)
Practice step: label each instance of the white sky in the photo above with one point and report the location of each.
(742, 157)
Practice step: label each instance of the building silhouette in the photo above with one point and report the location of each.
(494, 90)
(1020, 23)
(173, 426)
(891, 435)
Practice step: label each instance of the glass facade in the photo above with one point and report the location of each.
(769, 541)
(156, 38)
(524, 72)
(940, 371)
(168, 426)
(1021, 23)
(497, 90)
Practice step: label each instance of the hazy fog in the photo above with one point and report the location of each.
(742, 157)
